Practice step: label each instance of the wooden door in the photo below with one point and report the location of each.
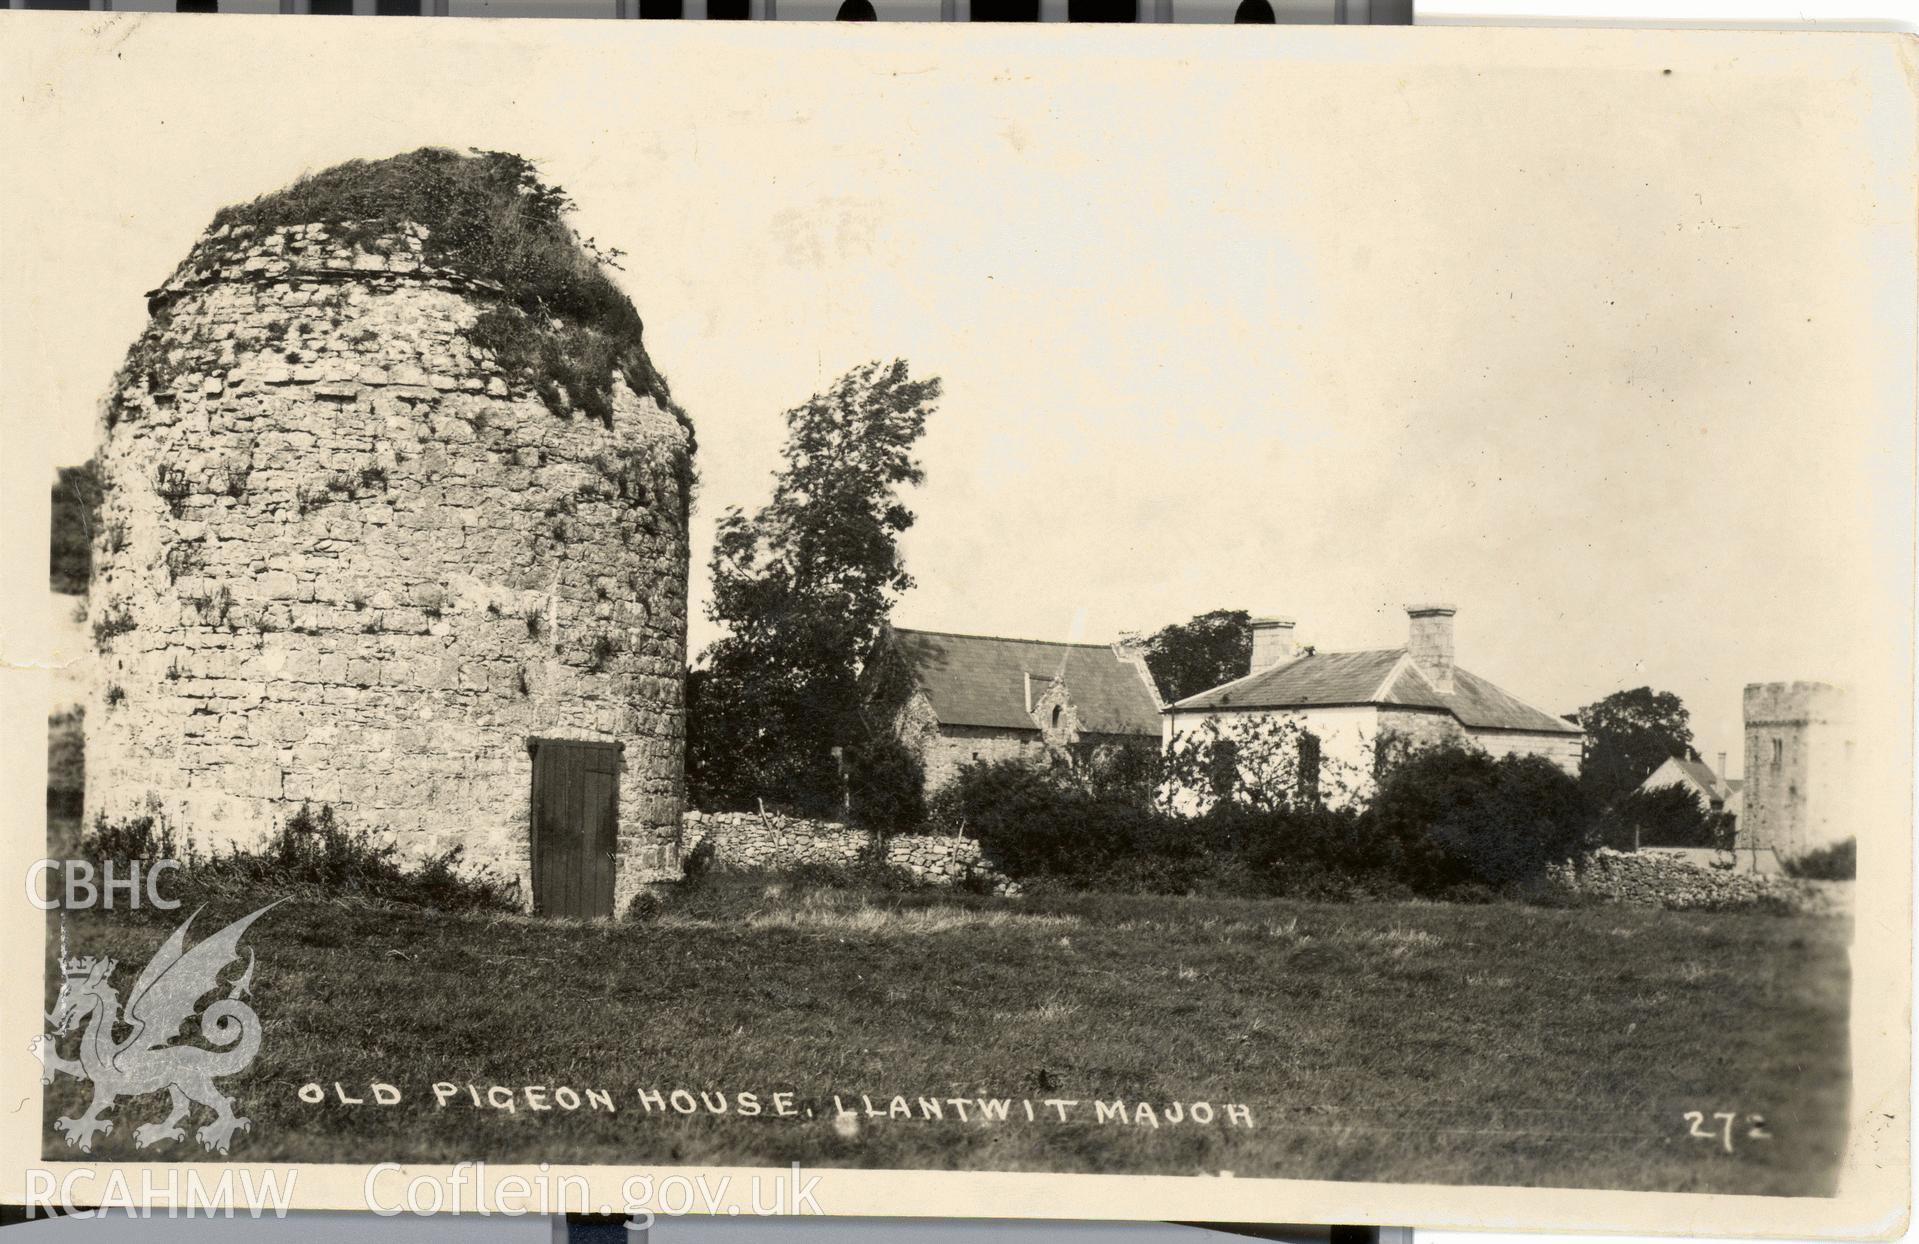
(576, 826)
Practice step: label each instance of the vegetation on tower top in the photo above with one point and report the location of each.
(564, 325)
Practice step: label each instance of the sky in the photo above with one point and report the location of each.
(1605, 340)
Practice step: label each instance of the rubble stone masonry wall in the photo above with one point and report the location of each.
(1656, 878)
(344, 559)
(755, 842)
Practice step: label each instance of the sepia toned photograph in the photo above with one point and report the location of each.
(1263, 606)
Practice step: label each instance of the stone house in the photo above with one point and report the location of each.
(954, 699)
(1801, 770)
(1350, 702)
(1715, 792)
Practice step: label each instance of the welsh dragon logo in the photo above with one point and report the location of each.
(163, 999)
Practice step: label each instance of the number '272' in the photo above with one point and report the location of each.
(1722, 1133)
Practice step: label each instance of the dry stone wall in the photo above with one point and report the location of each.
(344, 558)
(1659, 879)
(756, 842)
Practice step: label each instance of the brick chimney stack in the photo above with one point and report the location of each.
(1430, 643)
(1273, 643)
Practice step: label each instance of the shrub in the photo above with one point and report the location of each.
(645, 906)
(314, 854)
(1668, 816)
(313, 850)
(867, 871)
(1153, 852)
(1034, 824)
(1451, 816)
(1027, 823)
(137, 838)
(1451, 823)
(1317, 853)
(1838, 862)
(115, 620)
(696, 865)
(886, 785)
(1130, 772)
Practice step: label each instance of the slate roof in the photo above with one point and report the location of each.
(1384, 676)
(980, 680)
(1702, 775)
(1699, 771)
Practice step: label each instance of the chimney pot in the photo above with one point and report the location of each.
(1429, 642)
(1273, 643)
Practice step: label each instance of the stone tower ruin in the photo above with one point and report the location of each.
(1801, 772)
(395, 522)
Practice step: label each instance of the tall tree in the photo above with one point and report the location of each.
(802, 588)
(1628, 735)
(1187, 658)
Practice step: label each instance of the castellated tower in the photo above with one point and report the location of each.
(1801, 773)
(396, 522)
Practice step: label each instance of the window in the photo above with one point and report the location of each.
(1056, 712)
(1778, 753)
(728, 10)
(196, 6)
(396, 8)
(856, 11)
(331, 8)
(77, 5)
(1005, 10)
(1102, 10)
(1253, 13)
(662, 9)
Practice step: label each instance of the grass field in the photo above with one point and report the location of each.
(1497, 1044)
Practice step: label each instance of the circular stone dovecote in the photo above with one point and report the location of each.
(346, 558)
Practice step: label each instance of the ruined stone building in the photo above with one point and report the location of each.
(955, 699)
(1349, 701)
(376, 536)
(1801, 769)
